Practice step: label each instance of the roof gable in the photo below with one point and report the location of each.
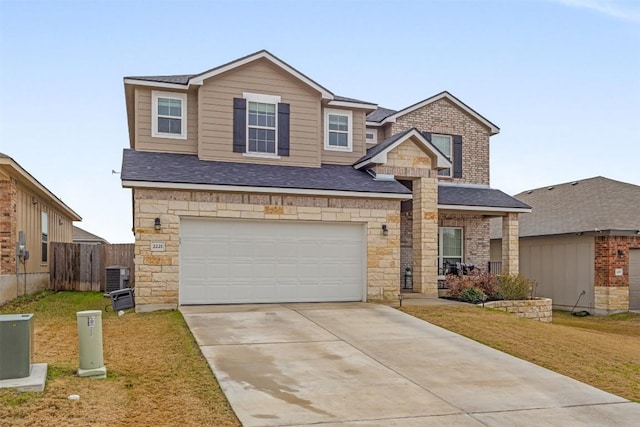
(378, 153)
(12, 168)
(380, 117)
(185, 81)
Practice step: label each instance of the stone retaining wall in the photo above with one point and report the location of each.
(537, 309)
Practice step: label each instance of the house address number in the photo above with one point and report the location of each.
(157, 246)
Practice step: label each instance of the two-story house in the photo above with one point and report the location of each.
(253, 183)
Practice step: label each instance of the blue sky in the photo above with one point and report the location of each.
(561, 78)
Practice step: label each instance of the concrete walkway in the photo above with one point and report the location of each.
(360, 364)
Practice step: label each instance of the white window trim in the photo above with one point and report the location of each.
(263, 99)
(374, 140)
(154, 114)
(349, 114)
(441, 242)
(450, 157)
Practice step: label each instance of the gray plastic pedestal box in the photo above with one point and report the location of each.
(122, 299)
(16, 345)
(90, 344)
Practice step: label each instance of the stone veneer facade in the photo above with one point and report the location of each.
(539, 309)
(157, 273)
(611, 292)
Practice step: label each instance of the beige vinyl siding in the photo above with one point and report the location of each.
(28, 219)
(359, 144)
(562, 267)
(260, 77)
(144, 140)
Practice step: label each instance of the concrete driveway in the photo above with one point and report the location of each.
(371, 365)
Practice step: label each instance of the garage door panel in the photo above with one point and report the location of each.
(236, 261)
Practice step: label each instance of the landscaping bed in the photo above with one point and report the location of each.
(156, 374)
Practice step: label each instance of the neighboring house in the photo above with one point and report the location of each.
(32, 215)
(253, 183)
(83, 236)
(581, 244)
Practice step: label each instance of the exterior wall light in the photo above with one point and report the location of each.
(385, 230)
(156, 224)
(620, 253)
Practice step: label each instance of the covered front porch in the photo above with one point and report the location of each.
(460, 240)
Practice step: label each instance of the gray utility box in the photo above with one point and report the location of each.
(122, 299)
(16, 345)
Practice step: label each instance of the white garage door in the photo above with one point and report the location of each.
(634, 279)
(243, 261)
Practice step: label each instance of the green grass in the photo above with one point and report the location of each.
(156, 374)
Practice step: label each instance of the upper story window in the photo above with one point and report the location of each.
(371, 136)
(44, 217)
(444, 143)
(338, 132)
(169, 115)
(262, 123)
(260, 126)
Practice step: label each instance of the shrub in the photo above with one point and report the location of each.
(515, 287)
(472, 295)
(484, 281)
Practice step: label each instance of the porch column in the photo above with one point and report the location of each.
(425, 236)
(510, 244)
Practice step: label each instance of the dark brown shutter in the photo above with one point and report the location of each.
(283, 129)
(457, 156)
(239, 125)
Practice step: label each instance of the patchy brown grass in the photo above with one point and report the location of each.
(601, 351)
(156, 374)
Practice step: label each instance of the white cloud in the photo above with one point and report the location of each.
(628, 10)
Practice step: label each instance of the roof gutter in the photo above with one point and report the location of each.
(483, 208)
(271, 190)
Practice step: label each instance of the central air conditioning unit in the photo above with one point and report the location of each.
(117, 278)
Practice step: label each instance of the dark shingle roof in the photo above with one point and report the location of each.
(345, 99)
(188, 169)
(579, 207)
(80, 235)
(378, 148)
(380, 114)
(180, 79)
(460, 195)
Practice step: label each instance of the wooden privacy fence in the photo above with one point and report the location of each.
(82, 266)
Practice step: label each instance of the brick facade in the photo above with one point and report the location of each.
(444, 117)
(157, 274)
(476, 244)
(612, 253)
(8, 233)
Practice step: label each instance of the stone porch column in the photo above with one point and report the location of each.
(425, 236)
(510, 244)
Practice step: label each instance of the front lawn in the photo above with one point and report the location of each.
(156, 374)
(601, 351)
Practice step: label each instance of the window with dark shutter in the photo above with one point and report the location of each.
(457, 156)
(283, 129)
(239, 125)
